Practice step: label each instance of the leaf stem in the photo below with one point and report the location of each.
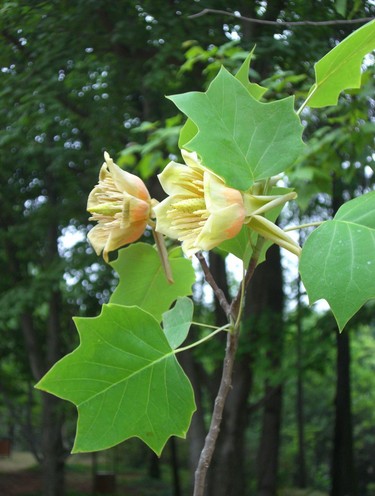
(205, 338)
(163, 254)
(302, 226)
(304, 104)
(201, 324)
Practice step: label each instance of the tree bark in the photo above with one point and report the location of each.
(53, 452)
(301, 474)
(344, 480)
(267, 310)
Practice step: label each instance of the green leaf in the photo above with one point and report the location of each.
(143, 282)
(188, 131)
(255, 90)
(341, 6)
(177, 322)
(338, 259)
(125, 381)
(240, 139)
(340, 69)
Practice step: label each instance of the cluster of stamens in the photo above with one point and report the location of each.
(189, 214)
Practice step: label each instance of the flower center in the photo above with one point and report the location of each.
(188, 216)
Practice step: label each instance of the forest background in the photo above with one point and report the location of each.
(78, 78)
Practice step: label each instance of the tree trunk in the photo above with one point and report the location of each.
(301, 475)
(268, 310)
(52, 447)
(268, 453)
(344, 481)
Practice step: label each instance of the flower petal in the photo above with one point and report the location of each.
(218, 196)
(222, 225)
(125, 181)
(177, 179)
(163, 222)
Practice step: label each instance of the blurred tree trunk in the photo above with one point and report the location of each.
(301, 475)
(267, 309)
(344, 480)
(52, 447)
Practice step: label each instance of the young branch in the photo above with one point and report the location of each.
(233, 312)
(211, 281)
(281, 23)
(211, 438)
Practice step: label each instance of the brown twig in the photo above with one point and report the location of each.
(217, 414)
(281, 23)
(233, 312)
(211, 281)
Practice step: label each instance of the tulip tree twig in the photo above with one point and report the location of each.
(215, 288)
(232, 310)
(211, 438)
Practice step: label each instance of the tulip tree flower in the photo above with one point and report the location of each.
(200, 211)
(121, 205)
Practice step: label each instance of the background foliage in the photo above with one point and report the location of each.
(83, 77)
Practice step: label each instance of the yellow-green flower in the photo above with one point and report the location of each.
(121, 205)
(200, 211)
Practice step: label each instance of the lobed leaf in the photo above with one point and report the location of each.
(125, 381)
(143, 282)
(340, 68)
(338, 259)
(189, 130)
(255, 90)
(239, 138)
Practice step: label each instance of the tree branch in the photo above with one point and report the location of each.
(281, 23)
(211, 438)
(232, 311)
(211, 281)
